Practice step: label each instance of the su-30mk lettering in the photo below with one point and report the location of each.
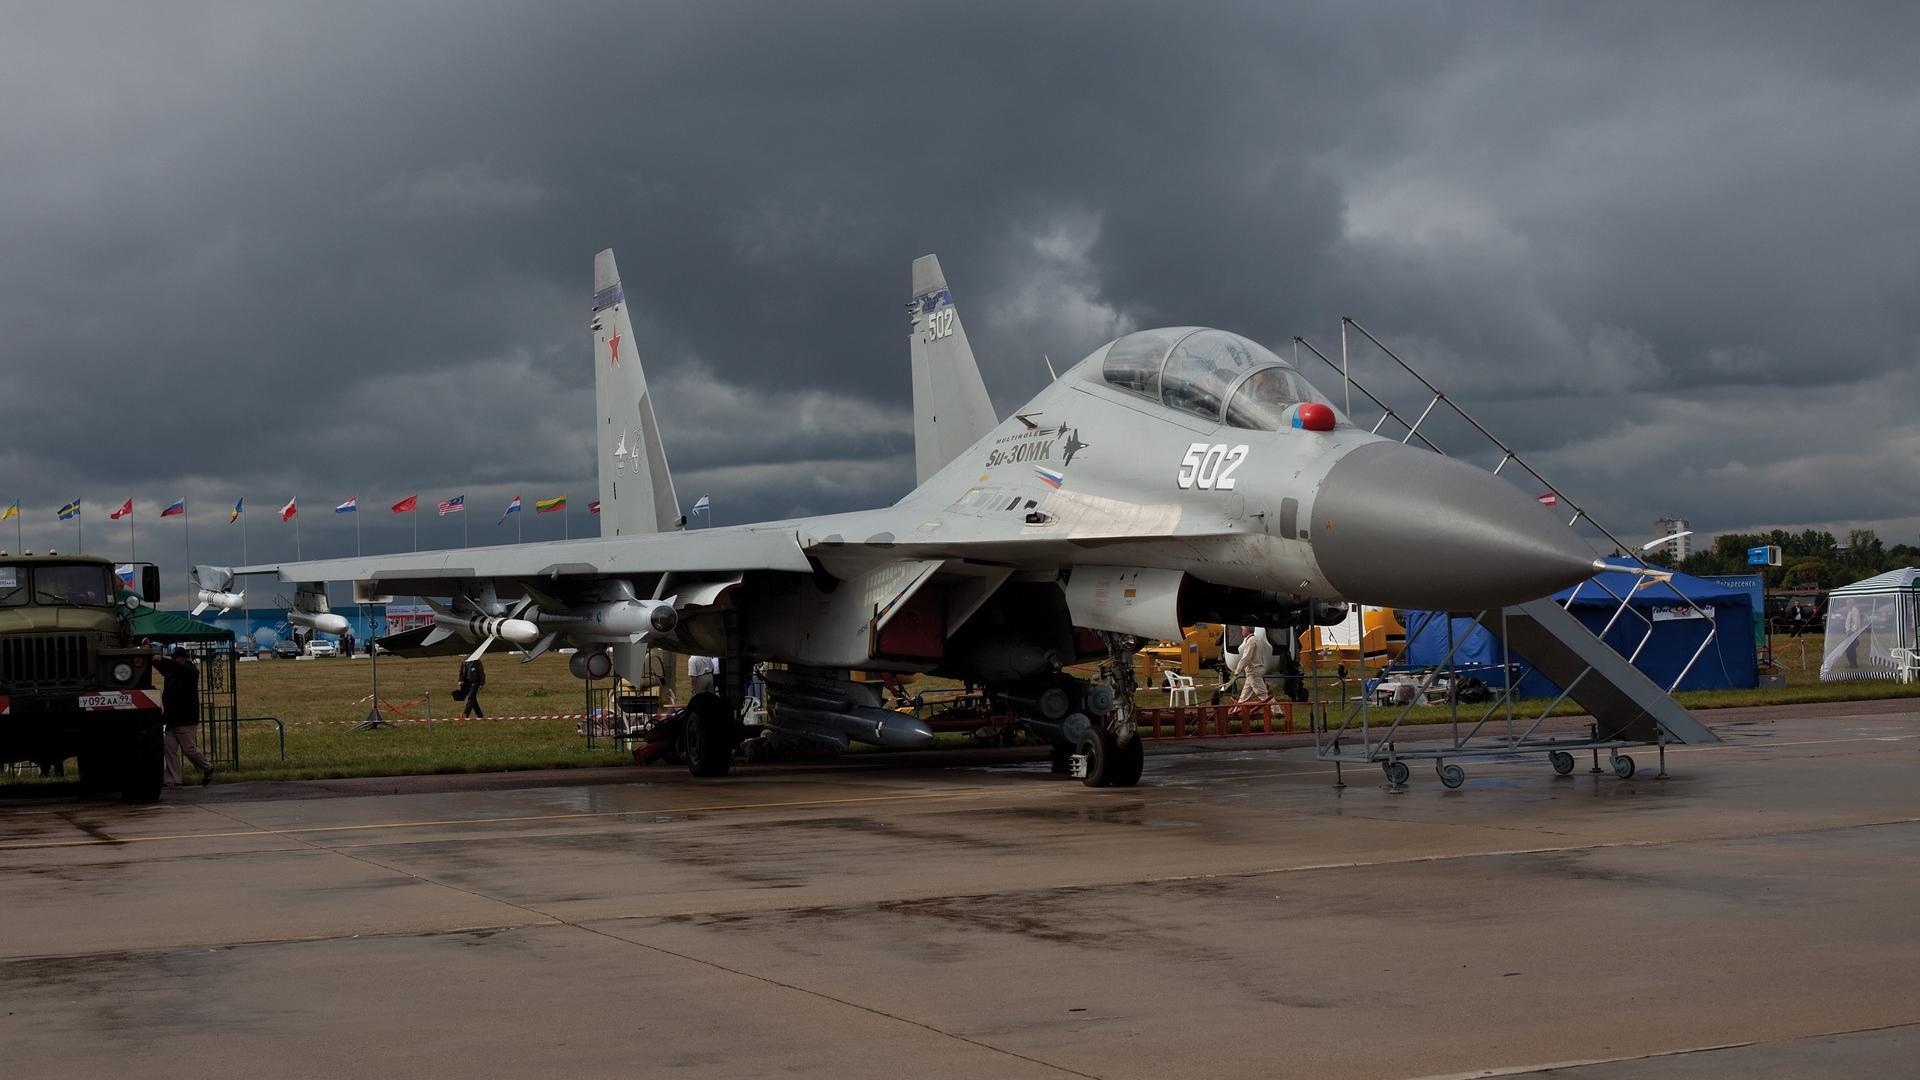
(1023, 453)
(1210, 467)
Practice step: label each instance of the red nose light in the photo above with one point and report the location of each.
(1315, 417)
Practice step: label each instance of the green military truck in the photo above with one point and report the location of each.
(72, 680)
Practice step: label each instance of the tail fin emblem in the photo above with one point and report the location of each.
(613, 344)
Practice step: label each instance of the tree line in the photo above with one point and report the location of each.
(1810, 558)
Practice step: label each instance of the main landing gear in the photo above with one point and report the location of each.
(1110, 753)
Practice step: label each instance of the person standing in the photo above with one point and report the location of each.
(473, 676)
(346, 644)
(180, 702)
(1798, 617)
(1251, 664)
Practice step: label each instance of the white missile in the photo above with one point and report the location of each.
(481, 627)
(625, 620)
(322, 621)
(225, 601)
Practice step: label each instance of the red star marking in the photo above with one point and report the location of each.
(614, 344)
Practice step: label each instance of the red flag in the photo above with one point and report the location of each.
(288, 510)
(126, 508)
(593, 507)
(407, 505)
(1549, 499)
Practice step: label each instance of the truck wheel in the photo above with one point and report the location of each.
(712, 733)
(143, 763)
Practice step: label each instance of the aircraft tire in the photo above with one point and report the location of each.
(1098, 748)
(711, 735)
(1128, 762)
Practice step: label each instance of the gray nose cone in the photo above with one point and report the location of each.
(1398, 527)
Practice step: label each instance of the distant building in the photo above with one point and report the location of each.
(1677, 550)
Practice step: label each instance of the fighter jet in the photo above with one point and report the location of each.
(1173, 476)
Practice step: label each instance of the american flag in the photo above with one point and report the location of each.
(453, 505)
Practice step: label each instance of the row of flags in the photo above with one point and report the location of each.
(411, 504)
(455, 505)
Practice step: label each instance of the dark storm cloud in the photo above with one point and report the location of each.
(343, 250)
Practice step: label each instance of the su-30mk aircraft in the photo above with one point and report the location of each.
(1173, 476)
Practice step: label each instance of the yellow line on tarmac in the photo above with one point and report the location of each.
(304, 829)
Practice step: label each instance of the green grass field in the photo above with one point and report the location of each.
(320, 701)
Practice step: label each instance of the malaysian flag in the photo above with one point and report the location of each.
(593, 507)
(1549, 499)
(453, 505)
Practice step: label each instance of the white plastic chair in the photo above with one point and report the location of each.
(1906, 664)
(1179, 688)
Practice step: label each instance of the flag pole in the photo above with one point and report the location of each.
(296, 533)
(79, 532)
(516, 526)
(463, 525)
(566, 520)
(133, 551)
(186, 534)
(356, 540)
(246, 610)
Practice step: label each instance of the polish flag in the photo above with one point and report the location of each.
(126, 510)
(407, 505)
(1549, 499)
(287, 511)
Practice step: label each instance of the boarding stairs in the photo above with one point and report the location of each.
(1624, 708)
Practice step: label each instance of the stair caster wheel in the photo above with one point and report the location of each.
(1451, 776)
(1561, 761)
(1397, 772)
(1623, 766)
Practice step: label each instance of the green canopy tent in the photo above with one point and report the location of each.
(170, 627)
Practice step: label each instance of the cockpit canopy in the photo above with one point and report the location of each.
(1210, 373)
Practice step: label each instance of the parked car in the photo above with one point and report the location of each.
(286, 649)
(318, 647)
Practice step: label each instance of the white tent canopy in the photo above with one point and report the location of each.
(1867, 621)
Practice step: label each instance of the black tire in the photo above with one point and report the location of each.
(143, 763)
(1129, 759)
(712, 733)
(1098, 748)
(1561, 761)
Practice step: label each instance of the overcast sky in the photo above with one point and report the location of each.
(1671, 252)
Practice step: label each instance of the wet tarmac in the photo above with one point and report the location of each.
(1755, 914)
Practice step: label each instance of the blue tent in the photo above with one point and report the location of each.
(1677, 630)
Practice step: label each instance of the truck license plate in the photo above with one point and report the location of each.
(105, 701)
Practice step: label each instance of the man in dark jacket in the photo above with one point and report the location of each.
(473, 676)
(181, 703)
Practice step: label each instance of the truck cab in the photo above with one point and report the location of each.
(72, 680)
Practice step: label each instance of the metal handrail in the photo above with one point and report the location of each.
(1510, 455)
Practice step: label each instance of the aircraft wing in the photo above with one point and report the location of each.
(432, 572)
